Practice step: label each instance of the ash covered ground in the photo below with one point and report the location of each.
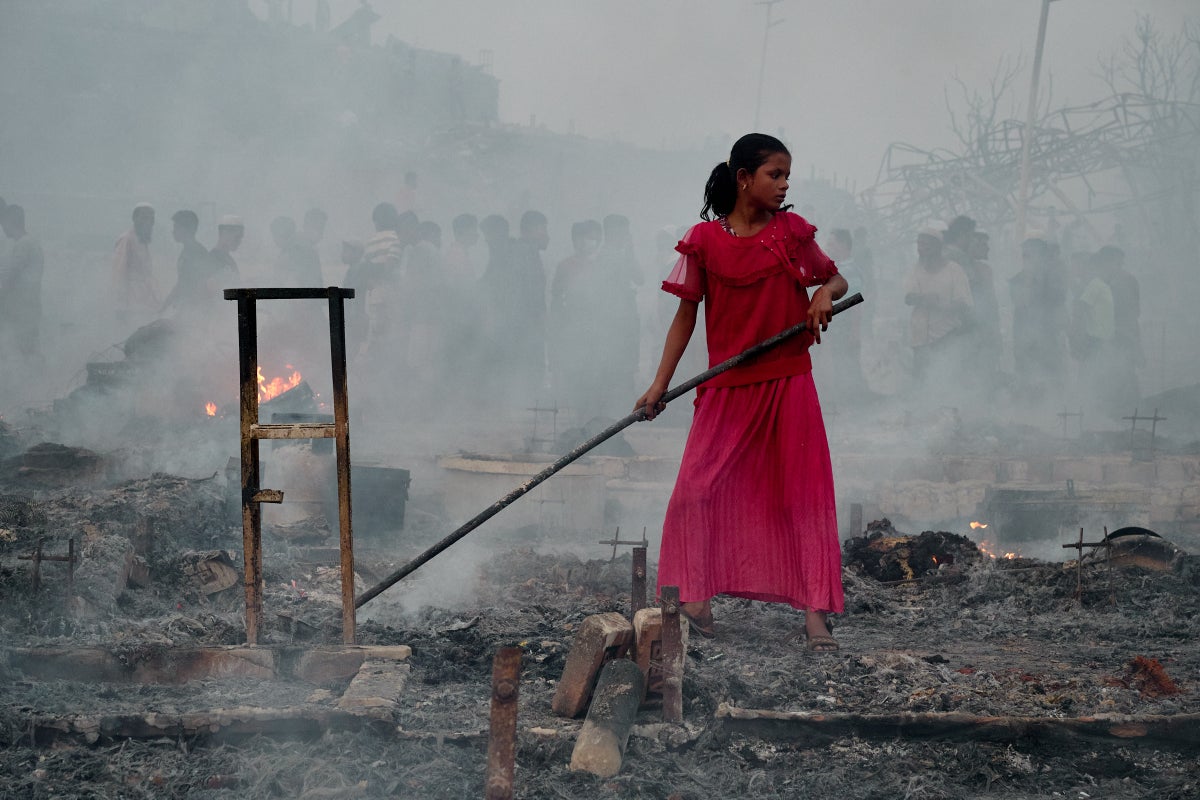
(990, 638)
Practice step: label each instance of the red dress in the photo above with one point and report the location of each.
(752, 514)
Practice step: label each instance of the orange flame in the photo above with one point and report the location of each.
(276, 386)
(210, 409)
(986, 548)
(977, 525)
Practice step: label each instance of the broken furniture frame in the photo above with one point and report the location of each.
(252, 432)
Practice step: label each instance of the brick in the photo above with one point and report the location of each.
(601, 638)
(376, 689)
(647, 631)
(328, 666)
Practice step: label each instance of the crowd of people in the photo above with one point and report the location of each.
(1074, 324)
(480, 319)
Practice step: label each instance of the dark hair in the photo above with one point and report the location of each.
(493, 226)
(463, 223)
(408, 221)
(843, 236)
(188, 220)
(385, 217)
(959, 226)
(532, 219)
(14, 215)
(749, 153)
(431, 232)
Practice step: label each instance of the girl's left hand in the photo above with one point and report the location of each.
(820, 312)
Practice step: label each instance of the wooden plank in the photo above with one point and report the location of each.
(600, 746)
(294, 430)
(1180, 730)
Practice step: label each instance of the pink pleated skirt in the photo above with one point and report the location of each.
(753, 512)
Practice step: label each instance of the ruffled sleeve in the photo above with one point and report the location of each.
(805, 254)
(687, 280)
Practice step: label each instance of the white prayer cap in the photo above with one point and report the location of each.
(1036, 234)
(146, 206)
(930, 230)
(231, 221)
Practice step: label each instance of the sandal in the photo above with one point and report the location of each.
(823, 644)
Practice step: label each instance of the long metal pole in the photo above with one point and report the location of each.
(1030, 111)
(612, 430)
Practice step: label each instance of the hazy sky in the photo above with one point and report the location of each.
(844, 77)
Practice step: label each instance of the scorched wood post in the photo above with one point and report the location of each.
(253, 431)
(599, 438)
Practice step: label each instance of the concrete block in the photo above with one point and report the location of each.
(647, 631)
(601, 638)
(328, 666)
(376, 689)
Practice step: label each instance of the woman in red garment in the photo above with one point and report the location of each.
(752, 514)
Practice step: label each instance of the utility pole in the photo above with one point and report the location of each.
(1027, 133)
(762, 67)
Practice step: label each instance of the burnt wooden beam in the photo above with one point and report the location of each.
(1180, 730)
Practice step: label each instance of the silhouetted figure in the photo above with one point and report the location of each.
(458, 260)
(962, 244)
(230, 232)
(1091, 335)
(296, 264)
(195, 289)
(134, 287)
(574, 319)
(1127, 337)
(20, 291)
(940, 296)
(1039, 299)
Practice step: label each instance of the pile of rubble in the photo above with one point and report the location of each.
(971, 677)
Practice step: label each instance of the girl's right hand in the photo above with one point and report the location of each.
(651, 403)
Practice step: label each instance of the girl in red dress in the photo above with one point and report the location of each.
(752, 514)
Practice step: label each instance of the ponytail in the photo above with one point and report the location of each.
(749, 153)
(720, 193)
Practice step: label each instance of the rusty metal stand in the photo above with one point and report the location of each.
(672, 655)
(1134, 419)
(1078, 546)
(252, 432)
(37, 557)
(637, 594)
(502, 737)
(617, 542)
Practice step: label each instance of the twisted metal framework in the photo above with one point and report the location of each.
(1151, 146)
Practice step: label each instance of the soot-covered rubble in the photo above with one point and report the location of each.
(980, 637)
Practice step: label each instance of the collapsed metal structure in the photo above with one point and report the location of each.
(1128, 152)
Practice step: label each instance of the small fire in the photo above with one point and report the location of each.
(210, 409)
(977, 525)
(935, 559)
(278, 385)
(988, 549)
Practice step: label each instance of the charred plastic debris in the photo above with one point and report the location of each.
(964, 670)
